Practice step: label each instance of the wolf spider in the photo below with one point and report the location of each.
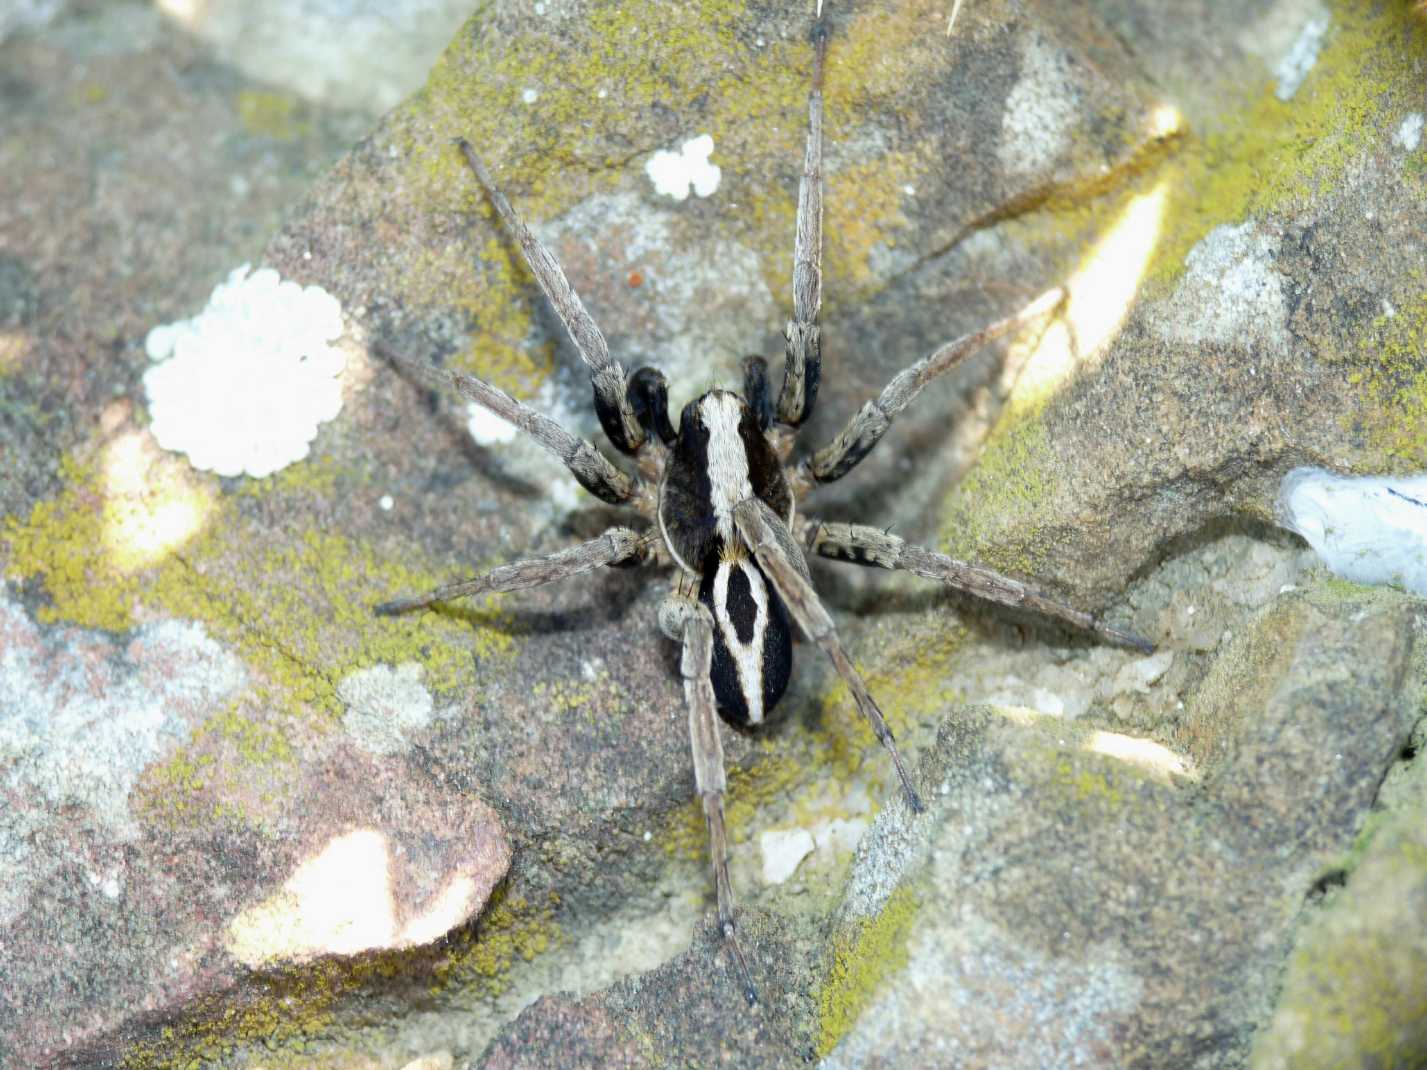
(718, 497)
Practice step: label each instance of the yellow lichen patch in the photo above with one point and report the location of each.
(510, 929)
(863, 959)
(265, 113)
(295, 606)
(866, 202)
(538, 100)
(763, 115)
(15, 346)
(62, 544)
(774, 775)
(880, 54)
(487, 286)
(301, 612)
(1274, 153)
(1085, 783)
(1004, 491)
(289, 1011)
(1391, 369)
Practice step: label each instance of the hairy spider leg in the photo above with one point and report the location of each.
(781, 560)
(690, 623)
(757, 392)
(612, 402)
(802, 340)
(591, 468)
(864, 545)
(866, 428)
(617, 546)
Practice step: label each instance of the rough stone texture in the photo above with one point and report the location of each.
(313, 49)
(646, 1021)
(148, 802)
(1258, 311)
(1353, 990)
(1112, 918)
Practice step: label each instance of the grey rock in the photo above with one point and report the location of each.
(1060, 907)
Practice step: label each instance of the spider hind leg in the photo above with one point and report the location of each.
(690, 623)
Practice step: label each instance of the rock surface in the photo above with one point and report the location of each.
(249, 824)
(1066, 904)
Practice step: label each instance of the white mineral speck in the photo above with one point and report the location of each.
(782, 850)
(675, 173)
(1409, 134)
(1366, 529)
(242, 387)
(530, 96)
(1299, 59)
(386, 503)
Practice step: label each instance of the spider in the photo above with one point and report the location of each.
(719, 496)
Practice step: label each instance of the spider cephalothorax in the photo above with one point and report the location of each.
(720, 458)
(718, 500)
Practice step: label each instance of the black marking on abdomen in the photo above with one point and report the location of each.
(775, 665)
(742, 610)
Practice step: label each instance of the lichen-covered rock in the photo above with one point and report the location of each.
(1233, 210)
(1275, 321)
(1061, 906)
(689, 1012)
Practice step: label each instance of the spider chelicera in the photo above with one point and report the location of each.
(718, 496)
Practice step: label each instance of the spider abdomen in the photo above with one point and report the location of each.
(753, 647)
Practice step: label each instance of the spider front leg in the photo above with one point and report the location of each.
(591, 469)
(865, 545)
(617, 414)
(803, 344)
(782, 562)
(691, 624)
(866, 428)
(616, 546)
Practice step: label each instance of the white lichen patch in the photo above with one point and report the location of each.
(1293, 68)
(386, 707)
(1409, 133)
(242, 387)
(1041, 111)
(81, 716)
(674, 174)
(1231, 293)
(1366, 529)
